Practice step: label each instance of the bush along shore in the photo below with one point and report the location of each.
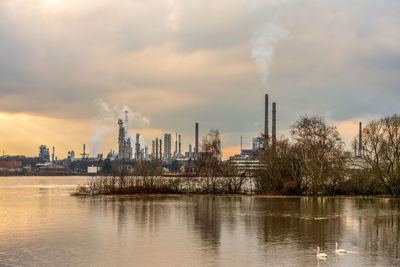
(146, 178)
(129, 184)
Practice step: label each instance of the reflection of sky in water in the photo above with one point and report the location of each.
(42, 225)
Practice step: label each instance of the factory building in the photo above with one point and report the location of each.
(146, 153)
(44, 153)
(156, 152)
(124, 143)
(247, 161)
(71, 155)
(257, 143)
(138, 153)
(245, 164)
(167, 147)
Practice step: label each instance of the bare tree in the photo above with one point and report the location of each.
(320, 151)
(148, 173)
(276, 168)
(382, 151)
(207, 162)
(233, 180)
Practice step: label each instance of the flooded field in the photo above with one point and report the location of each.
(42, 225)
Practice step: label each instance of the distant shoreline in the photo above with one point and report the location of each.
(48, 174)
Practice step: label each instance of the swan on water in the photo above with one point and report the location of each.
(340, 250)
(321, 255)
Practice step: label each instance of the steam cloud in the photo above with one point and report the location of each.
(107, 120)
(264, 48)
(265, 39)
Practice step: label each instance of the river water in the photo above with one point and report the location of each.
(42, 225)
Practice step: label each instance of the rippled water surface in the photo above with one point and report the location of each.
(42, 225)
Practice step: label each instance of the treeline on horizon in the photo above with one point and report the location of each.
(311, 162)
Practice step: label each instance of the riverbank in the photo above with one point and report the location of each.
(160, 195)
(187, 186)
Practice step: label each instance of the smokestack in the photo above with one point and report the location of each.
(153, 149)
(241, 144)
(52, 157)
(176, 144)
(156, 148)
(84, 151)
(179, 145)
(273, 123)
(196, 141)
(160, 149)
(266, 130)
(137, 147)
(360, 144)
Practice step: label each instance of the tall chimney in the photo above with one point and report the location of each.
(176, 144)
(156, 148)
(273, 123)
(179, 153)
(360, 144)
(196, 141)
(153, 150)
(160, 149)
(266, 131)
(241, 144)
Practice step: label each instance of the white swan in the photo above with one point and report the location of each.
(321, 255)
(340, 250)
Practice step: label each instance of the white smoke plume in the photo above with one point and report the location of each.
(107, 120)
(135, 118)
(264, 43)
(266, 38)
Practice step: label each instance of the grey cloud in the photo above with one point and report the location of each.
(340, 59)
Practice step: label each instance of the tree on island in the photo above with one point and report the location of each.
(320, 148)
(381, 146)
(207, 162)
(312, 164)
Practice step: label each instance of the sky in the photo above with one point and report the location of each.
(69, 68)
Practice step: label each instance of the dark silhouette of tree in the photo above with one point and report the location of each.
(382, 152)
(207, 162)
(312, 163)
(320, 151)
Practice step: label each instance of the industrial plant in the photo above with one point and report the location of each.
(166, 149)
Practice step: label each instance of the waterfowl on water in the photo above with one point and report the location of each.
(340, 250)
(321, 255)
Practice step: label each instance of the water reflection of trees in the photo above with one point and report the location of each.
(379, 224)
(367, 225)
(207, 219)
(145, 213)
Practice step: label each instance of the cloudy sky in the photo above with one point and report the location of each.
(68, 68)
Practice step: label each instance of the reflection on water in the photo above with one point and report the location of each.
(42, 225)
